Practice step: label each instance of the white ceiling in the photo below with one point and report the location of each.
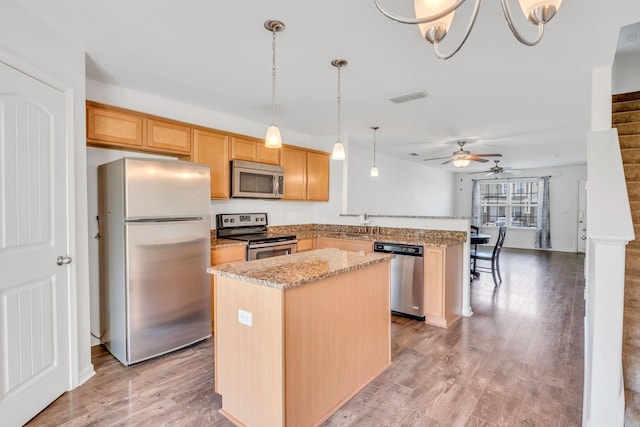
(532, 104)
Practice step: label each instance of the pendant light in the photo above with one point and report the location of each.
(273, 138)
(374, 169)
(338, 148)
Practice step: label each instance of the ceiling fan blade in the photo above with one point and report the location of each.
(437, 158)
(448, 161)
(479, 160)
(486, 155)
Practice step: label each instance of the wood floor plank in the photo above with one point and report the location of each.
(517, 361)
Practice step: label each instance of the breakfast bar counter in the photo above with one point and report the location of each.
(297, 336)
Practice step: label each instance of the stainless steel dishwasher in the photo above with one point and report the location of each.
(407, 278)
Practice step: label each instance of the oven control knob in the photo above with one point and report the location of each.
(232, 220)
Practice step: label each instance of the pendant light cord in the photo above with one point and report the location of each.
(273, 80)
(339, 102)
(374, 146)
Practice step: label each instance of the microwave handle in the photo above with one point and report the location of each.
(276, 186)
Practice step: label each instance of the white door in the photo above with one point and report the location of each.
(34, 290)
(582, 216)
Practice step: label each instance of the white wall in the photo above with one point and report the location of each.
(402, 187)
(626, 72)
(563, 186)
(30, 45)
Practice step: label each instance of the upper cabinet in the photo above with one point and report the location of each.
(110, 126)
(115, 128)
(253, 150)
(168, 136)
(317, 176)
(212, 148)
(306, 174)
(294, 162)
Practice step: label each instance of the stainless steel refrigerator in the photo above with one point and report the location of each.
(154, 224)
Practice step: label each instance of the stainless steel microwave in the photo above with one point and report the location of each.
(256, 180)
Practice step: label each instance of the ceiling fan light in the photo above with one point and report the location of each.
(539, 11)
(461, 163)
(273, 138)
(436, 30)
(338, 151)
(374, 171)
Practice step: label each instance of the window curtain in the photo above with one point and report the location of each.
(475, 204)
(543, 223)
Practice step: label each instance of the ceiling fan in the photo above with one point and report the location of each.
(462, 158)
(498, 170)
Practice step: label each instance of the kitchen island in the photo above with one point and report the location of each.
(297, 336)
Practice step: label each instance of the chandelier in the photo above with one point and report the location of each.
(434, 18)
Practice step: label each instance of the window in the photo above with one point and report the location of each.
(510, 203)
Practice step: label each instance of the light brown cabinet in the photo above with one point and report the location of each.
(306, 174)
(223, 256)
(317, 176)
(306, 171)
(307, 348)
(347, 245)
(167, 136)
(442, 285)
(306, 244)
(253, 150)
(114, 128)
(294, 162)
(211, 148)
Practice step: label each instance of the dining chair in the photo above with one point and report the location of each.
(474, 230)
(492, 256)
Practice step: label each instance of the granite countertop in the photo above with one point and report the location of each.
(410, 236)
(284, 272)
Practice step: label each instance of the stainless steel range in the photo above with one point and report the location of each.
(252, 228)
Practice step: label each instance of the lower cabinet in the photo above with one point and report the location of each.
(306, 244)
(347, 245)
(442, 285)
(224, 256)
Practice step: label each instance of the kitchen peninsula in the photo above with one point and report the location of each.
(297, 336)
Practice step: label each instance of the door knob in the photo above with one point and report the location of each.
(584, 237)
(63, 260)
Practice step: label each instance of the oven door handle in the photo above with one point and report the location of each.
(271, 244)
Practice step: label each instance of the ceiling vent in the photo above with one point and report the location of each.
(409, 97)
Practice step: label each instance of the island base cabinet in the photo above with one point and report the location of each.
(249, 359)
(443, 285)
(309, 348)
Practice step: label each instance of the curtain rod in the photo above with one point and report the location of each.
(520, 177)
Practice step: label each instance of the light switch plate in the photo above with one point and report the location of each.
(245, 317)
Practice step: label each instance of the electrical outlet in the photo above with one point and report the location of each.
(245, 317)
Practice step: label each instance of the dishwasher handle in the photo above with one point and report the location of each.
(399, 249)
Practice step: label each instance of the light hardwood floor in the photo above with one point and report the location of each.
(517, 361)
